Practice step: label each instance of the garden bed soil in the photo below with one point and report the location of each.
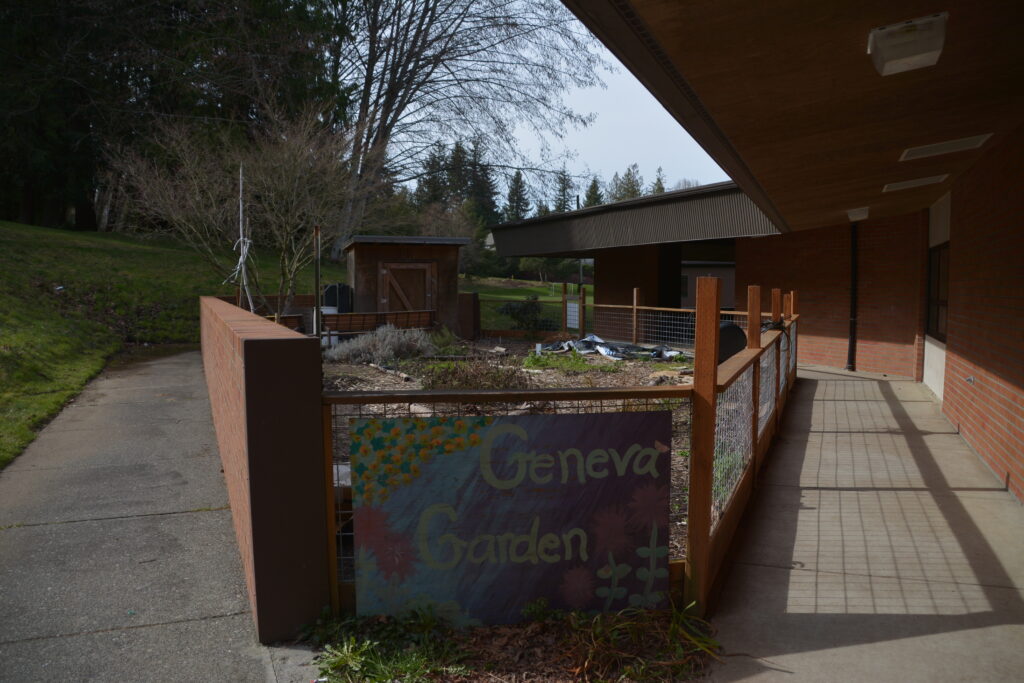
(600, 372)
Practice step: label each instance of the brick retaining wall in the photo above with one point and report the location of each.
(264, 385)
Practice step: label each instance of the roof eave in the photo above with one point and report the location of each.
(615, 24)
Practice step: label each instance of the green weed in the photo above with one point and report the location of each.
(417, 647)
(472, 375)
(571, 362)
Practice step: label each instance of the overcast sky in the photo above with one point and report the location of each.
(631, 127)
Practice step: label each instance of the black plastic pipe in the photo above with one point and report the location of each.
(851, 352)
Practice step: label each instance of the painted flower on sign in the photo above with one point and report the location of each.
(648, 506)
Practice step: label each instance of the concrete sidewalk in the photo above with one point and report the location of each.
(118, 559)
(878, 548)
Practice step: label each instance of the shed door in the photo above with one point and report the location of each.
(405, 286)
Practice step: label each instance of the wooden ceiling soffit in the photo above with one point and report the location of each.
(624, 33)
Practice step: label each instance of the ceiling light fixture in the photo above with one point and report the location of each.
(908, 45)
(917, 182)
(860, 214)
(948, 147)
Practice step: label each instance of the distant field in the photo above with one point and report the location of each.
(68, 300)
(493, 318)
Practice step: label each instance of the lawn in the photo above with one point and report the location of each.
(496, 293)
(69, 300)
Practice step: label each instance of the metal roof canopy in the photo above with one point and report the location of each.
(709, 212)
(405, 239)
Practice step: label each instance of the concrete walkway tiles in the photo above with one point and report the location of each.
(879, 547)
(118, 560)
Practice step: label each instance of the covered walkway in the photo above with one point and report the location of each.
(879, 547)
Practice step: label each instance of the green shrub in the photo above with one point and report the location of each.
(527, 315)
(384, 344)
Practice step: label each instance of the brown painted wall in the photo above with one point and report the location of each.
(364, 268)
(892, 265)
(616, 273)
(985, 338)
(264, 386)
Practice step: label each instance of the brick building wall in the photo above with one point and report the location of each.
(892, 269)
(264, 385)
(985, 337)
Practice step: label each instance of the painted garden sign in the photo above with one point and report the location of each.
(475, 517)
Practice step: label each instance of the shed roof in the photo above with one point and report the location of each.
(709, 212)
(405, 239)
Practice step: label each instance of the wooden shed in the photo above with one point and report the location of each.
(397, 273)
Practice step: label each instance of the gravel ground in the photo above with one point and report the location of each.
(626, 373)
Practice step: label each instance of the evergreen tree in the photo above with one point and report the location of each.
(564, 187)
(432, 186)
(482, 193)
(542, 209)
(458, 172)
(594, 196)
(517, 204)
(658, 186)
(629, 186)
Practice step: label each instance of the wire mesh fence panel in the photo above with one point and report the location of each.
(733, 440)
(649, 325)
(669, 328)
(527, 315)
(738, 318)
(783, 361)
(343, 414)
(766, 401)
(610, 323)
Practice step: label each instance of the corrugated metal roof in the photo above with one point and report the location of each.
(404, 239)
(710, 212)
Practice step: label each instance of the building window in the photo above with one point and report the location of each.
(938, 291)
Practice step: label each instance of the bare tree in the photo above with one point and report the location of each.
(295, 176)
(296, 172)
(426, 70)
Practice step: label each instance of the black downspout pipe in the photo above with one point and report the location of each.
(851, 353)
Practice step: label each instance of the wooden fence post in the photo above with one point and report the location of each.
(777, 317)
(753, 317)
(702, 441)
(636, 302)
(583, 310)
(787, 306)
(792, 334)
(754, 342)
(565, 309)
(332, 514)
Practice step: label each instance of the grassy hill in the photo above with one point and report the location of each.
(69, 300)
